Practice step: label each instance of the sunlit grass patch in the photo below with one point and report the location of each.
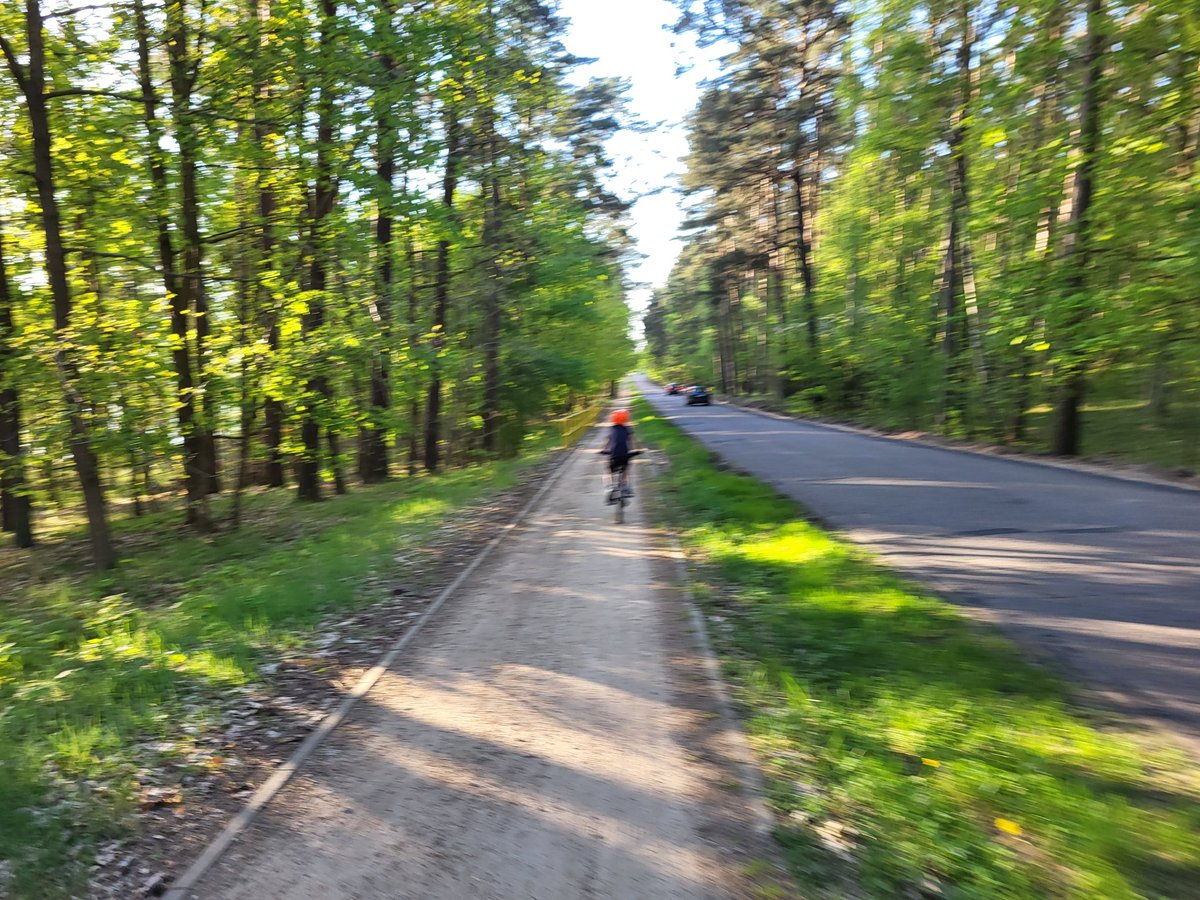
(910, 751)
(93, 668)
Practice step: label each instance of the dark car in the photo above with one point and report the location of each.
(698, 395)
(674, 388)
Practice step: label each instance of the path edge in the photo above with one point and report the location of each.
(748, 770)
(283, 774)
(749, 773)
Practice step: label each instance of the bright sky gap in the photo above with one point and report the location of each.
(634, 40)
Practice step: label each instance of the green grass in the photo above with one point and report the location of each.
(95, 667)
(910, 751)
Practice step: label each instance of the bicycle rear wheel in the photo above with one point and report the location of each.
(619, 490)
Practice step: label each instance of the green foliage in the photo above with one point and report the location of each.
(325, 314)
(908, 750)
(843, 114)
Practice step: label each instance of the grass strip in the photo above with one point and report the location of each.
(910, 751)
(95, 670)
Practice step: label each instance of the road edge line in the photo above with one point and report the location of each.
(1082, 468)
(283, 774)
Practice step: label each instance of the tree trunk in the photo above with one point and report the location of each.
(273, 411)
(414, 340)
(716, 301)
(273, 415)
(1163, 368)
(135, 483)
(777, 349)
(308, 467)
(737, 335)
(185, 397)
(1047, 124)
(335, 461)
(1023, 396)
(492, 295)
(247, 405)
(248, 412)
(15, 505)
(31, 79)
(493, 305)
(729, 365)
(317, 390)
(433, 405)
(1076, 247)
(189, 280)
(373, 464)
(804, 260)
(953, 262)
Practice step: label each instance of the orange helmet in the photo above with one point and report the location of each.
(620, 417)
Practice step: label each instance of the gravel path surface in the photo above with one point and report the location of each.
(550, 735)
(1099, 576)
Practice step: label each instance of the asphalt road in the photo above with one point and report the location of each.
(1099, 576)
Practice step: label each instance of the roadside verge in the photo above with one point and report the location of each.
(908, 750)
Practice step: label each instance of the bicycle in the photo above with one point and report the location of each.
(618, 488)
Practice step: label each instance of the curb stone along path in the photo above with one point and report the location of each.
(749, 772)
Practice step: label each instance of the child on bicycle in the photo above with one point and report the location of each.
(619, 448)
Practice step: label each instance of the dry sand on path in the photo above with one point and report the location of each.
(551, 734)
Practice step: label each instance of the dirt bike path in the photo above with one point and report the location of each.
(550, 735)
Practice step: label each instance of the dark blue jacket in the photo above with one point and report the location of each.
(620, 441)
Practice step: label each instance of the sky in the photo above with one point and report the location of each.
(632, 39)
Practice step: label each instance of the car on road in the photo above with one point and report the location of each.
(674, 388)
(698, 395)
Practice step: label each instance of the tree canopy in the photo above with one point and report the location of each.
(965, 216)
(279, 240)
